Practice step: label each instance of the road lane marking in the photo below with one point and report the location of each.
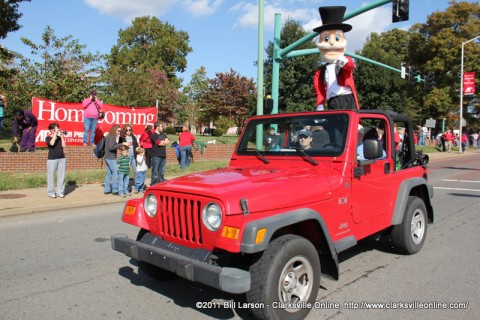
(451, 180)
(457, 189)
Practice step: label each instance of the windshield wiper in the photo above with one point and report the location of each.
(259, 154)
(306, 155)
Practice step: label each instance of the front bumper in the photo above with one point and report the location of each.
(226, 279)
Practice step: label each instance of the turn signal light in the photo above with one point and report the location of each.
(129, 210)
(230, 232)
(260, 235)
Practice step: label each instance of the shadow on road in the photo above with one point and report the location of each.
(187, 294)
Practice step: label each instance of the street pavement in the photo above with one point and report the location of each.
(36, 200)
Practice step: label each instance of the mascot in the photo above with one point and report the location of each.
(333, 82)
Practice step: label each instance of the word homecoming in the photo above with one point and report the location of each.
(55, 112)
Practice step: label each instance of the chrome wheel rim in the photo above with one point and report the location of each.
(418, 226)
(295, 283)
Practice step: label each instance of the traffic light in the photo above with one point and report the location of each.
(400, 10)
(430, 81)
(267, 105)
(414, 75)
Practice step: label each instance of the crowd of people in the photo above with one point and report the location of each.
(446, 140)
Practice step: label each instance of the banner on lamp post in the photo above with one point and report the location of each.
(69, 116)
(469, 83)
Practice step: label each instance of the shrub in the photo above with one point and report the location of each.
(217, 133)
(170, 130)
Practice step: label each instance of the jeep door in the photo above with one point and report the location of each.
(372, 192)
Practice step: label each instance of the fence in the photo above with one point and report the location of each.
(80, 158)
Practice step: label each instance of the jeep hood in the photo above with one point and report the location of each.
(264, 189)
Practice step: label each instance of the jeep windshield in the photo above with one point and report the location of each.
(315, 134)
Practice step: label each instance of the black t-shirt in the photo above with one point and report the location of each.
(158, 151)
(55, 151)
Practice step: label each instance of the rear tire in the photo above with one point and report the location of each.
(409, 236)
(287, 272)
(152, 271)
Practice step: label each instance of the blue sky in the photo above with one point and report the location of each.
(223, 33)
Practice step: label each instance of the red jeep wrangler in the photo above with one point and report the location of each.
(300, 188)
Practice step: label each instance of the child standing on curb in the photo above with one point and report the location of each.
(141, 174)
(123, 163)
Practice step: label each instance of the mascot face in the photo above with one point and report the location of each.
(331, 44)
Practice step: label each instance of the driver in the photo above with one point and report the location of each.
(305, 139)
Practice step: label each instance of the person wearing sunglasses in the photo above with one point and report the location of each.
(112, 144)
(128, 137)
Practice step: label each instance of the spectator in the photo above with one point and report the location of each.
(146, 143)
(464, 141)
(186, 140)
(56, 162)
(91, 112)
(141, 175)
(25, 123)
(123, 163)
(159, 153)
(112, 144)
(475, 140)
(127, 136)
(2, 111)
(448, 137)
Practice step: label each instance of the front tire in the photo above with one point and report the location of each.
(288, 272)
(152, 271)
(409, 236)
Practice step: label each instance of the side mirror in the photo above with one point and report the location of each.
(372, 149)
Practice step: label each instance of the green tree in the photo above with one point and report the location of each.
(60, 69)
(141, 68)
(296, 74)
(150, 43)
(436, 48)
(193, 96)
(141, 89)
(378, 87)
(230, 95)
(9, 16)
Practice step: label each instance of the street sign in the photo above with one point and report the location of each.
(402, 74)
(430, 123)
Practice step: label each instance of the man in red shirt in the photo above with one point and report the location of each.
(448, 136)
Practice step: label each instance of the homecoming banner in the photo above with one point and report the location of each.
(69, 116)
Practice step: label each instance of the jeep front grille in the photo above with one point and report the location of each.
(180, 218)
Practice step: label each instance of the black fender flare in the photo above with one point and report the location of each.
(402, 198)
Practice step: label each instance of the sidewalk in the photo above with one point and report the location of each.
(36, 200)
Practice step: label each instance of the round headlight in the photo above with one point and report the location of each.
(150, 205)
(212, 216)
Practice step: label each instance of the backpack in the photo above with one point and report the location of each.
(99, 150)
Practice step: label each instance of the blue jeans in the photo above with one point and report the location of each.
(158, 170)
(185, 156)
(123, 181)
(133, 163)
(89, 125)
(1, 124)
(111, 179)
(140, 178)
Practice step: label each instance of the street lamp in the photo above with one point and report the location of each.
(461, 96)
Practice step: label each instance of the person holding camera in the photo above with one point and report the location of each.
(56, 162)
(92, 111)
